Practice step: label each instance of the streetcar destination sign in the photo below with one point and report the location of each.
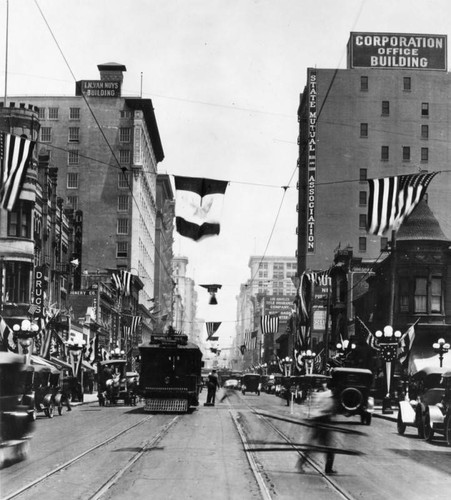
(397, 51)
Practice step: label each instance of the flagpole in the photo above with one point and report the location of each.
(392, 278)
(6, 53)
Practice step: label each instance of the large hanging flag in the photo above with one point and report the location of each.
(198, 206)
(392, 199)
(269, 323)
(212, 328)
(15, 154)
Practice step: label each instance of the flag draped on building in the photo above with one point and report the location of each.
(405, 343)
(269, 323)
(15, 154)
(198, 206)
(122, 281)
(212, 328)
(392, 199)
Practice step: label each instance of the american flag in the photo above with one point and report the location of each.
(406, 341)
(371, 339)
(250, 340)
(392, 199)
(122, 281)
(269, 323)
(15, 154)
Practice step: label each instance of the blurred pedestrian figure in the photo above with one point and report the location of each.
(66, 390)
(212, 387)
(322, 408)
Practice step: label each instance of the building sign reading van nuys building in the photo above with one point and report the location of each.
(397, 51)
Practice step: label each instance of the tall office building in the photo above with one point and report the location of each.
(386, 114)
(107, 148)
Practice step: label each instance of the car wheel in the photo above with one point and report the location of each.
(428, 430)
(448, 430)
(400, 425)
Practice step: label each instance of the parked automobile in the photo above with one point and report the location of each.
(15, 424)
(428, 403)
(351, 387)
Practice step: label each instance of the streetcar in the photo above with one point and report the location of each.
(170, 373)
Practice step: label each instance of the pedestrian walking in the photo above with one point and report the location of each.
(212, 387)
(322, 409)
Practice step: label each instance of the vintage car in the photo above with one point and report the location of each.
(15, 424)
(115, 385)
(351, 387)
(251, 382)
(427, 404)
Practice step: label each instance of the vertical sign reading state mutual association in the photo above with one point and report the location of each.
(311, 156)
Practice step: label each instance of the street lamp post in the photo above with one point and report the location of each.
(441, 347)
(344, 349)
(26, 331)
(287, 362)
(308, 356)
(388, 341)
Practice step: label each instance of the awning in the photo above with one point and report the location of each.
(87, 366)
(37, 360)
(62, 365)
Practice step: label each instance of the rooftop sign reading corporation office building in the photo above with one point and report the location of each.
(397, 51)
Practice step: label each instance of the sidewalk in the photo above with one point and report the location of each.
(390, 416)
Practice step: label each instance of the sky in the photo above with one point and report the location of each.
(225, 78)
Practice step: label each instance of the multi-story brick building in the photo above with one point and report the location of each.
(385, 114)
(107, 148)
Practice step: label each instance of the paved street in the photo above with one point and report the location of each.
(124, 453)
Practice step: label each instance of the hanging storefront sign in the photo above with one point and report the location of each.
(311, 189)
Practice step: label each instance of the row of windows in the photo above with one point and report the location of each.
(125, 134)
(52, 113)
(406, 83)
(73, 157)
(73, 181)
(364, 131)
(406, 153)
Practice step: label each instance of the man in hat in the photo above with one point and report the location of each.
(212, 387)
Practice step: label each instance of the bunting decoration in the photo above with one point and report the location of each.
(198, 206)
(405, 343)
(122, 281)
(15, 155)
(212, 328)
(269, 323)
(212, 290)
(392, 199)
(243, 349)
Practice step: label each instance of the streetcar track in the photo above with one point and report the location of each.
(251, 455)
(75, 459)
(147, 445)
